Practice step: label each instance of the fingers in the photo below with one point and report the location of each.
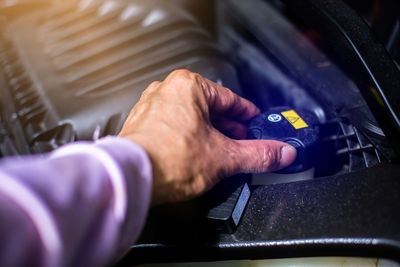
(229, 127)
(223, 101)
(220, 100)
(258, 156)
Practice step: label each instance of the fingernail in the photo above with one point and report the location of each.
(288, 155)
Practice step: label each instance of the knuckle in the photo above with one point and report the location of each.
(269, 159)
(186, 80)
(145, 94)
(201, 82)
(154, 84)
(181, 74)
(153, 87)
(185, 76)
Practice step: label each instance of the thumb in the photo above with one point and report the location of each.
(258, 156)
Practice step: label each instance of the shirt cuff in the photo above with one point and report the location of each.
(136, 167)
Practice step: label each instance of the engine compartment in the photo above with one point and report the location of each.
(282, 62)
(73, 70)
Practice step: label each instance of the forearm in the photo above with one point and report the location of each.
(85, 203)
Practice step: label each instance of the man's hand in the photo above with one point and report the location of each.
(174, 122)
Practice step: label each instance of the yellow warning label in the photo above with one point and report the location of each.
(294, 119)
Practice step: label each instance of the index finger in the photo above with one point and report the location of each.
(223, 101)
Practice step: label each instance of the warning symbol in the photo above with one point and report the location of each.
(294, 119)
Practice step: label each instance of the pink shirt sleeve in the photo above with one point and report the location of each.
(82, 205)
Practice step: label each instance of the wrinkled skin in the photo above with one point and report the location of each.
(180, 123)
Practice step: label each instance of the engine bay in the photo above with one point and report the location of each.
(72, 70)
